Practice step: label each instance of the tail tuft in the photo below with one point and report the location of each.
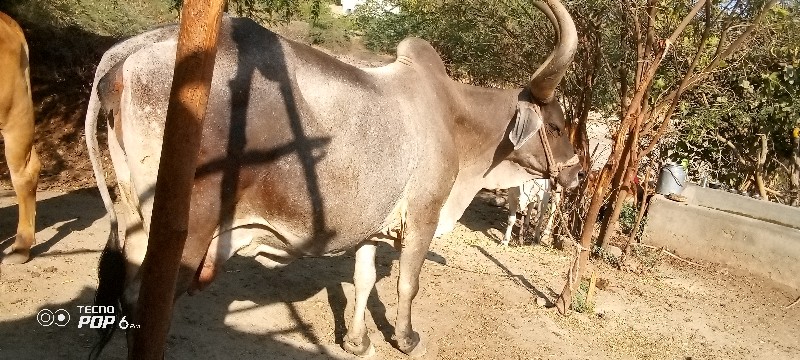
(110, 288)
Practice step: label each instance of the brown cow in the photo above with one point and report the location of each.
(16, 125)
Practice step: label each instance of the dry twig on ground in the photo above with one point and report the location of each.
(793, 304)
(670, 254)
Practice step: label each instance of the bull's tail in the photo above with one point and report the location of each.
(111, 269)
(111, 284)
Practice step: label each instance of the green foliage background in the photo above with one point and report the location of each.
(482, 42)
(757, 93)
(500, 43)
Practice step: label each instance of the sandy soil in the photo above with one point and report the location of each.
(478, 301)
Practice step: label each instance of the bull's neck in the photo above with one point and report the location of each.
(481, 123)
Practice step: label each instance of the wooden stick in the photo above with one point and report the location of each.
(591, 291)
(680, 258)
(194, 65)
(670, 254)
(793, 304)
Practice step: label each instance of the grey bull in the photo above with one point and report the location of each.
(303, 155)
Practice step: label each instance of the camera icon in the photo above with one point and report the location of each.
(47, 317)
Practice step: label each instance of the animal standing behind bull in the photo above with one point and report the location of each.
(16, 126)
(303, 155)
(529, 198)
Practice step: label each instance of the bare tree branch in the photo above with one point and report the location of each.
(743, 159)
(736, 44)
(759, 172)
(686, 20)
(675, 96)
(651, 31)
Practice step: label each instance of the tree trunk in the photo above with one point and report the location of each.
(759, 173)
(795, 176)
(649, 55)
(194, 65)
(619, 190)
(564, 300)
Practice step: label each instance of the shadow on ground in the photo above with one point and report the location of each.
(66, 213)
(199, 326)
(199, 323)
(487, 214)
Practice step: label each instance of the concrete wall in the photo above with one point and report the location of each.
(742, 205)
(757, 236)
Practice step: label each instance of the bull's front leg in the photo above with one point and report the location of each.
(357, 341)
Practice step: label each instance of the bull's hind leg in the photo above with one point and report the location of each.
(135, 246)
(197, 242)
(197, 268)
(357, 341)
(24, 166)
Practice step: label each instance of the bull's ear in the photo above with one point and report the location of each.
(526, 123)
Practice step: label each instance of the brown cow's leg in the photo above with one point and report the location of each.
(357, 341)
(24, 166)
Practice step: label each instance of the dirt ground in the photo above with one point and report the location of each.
(478, 301)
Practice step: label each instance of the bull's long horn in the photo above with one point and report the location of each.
(549, 74)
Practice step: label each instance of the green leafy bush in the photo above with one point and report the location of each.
(627, 220)
(326, 28)
(579, 303)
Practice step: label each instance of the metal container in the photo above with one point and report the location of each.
(671, 180)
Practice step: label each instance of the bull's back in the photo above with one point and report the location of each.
(270, 145)
(15, 98)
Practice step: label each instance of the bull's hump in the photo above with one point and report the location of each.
(420, 54)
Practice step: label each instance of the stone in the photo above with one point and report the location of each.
(614, 251)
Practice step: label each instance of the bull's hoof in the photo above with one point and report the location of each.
(20, 256)
(362, 349)
(412, 346)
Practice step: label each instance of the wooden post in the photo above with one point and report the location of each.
(590, 292)
(194, 65)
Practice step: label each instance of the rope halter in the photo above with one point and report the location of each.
(554, 168)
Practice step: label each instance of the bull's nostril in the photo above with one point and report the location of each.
(581, 175)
